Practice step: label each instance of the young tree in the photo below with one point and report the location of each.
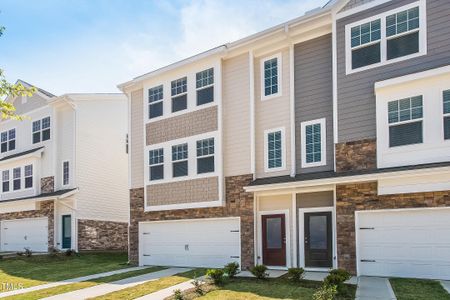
(7, 110)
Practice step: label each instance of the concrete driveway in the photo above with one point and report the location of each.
(374, 288)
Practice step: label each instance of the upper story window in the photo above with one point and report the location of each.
(65, 173)
(5, 181)
(405, 121)
(8, 140)
(156, 162)
(179, 94)
(205, 156)
(17, 179)
(274, 150)
(447, 114)
(41, 130)
(205, 86)
(155, 102)
(28, 176)
(313, 143)
(180, 160)
(271, 77)
(389, 37)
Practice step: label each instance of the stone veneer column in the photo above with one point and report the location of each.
(356, 155)
(47, 184)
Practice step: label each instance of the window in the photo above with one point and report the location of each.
(8, 140)
(41, 130)
(386, 37)
(28, 176)
(16, 179)
(205, 156)
(179, 94)
(156, 162)
(274, 150)
(313, 145)
(205, 86)
(5, 181)
(180, 160)
(405, 121)
(65, 173)
(271, 77)
(155, 102)
(447, 115)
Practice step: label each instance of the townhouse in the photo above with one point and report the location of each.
(323, 142)
(64, 173)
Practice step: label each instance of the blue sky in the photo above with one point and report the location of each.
(67, 46)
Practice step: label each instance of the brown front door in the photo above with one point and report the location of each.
(274, 240)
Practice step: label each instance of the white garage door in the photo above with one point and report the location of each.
(408, 243)
(26, 233)
(190, 243)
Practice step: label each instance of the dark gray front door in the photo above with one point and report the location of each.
(67, 232)
(318, 240)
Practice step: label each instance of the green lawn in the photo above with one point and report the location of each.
(39, 269)
(418, 289)
(152, 286)
(80, 285)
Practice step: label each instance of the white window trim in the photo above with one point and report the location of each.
(180, 160)
(9, 181)
(8, 139)
(279, 58)
(41, 130)
(155, 102)
(383, 41)
(283, 150)
(149, 166)
(62, 173)
(444, 115)
(22, 179)
(323, 142)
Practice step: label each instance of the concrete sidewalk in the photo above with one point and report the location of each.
(107, 288)
(167, 292)
(374, 288)
(68, 281)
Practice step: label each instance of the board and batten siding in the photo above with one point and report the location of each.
(356, 98)
(136, 140)
(236, 116)
(272, 113)
(314, 94)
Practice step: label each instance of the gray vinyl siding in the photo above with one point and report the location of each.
(356, 98)
(314, 93)
(354, 3)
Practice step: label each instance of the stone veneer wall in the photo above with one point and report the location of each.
(47, 184)
(356, 155)
(102, 235)
(45, 209)
(238, 204)
(364, 196)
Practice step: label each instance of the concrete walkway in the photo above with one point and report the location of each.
(107, 288)
(374, 288)
(68, 281)
(446, 285)
(167, 292)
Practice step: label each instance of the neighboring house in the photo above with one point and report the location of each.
(64, 173)
(323, 142)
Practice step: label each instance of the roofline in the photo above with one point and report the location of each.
(37, 198)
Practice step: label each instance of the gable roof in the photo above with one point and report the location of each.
(28, 85)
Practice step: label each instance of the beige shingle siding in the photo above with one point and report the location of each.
(236, 116)
(186, 191)
(197, 122)
(137, 140)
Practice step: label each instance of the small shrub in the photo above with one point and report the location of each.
(232, 269)
(28, 252)
(177, 295)
(198, 287)
(342, 273)
(216, 275)
(70, 252)
(259, 271)
(336, 278)
(296, 274)
(19, 253)
(325, 292)
(53, 252)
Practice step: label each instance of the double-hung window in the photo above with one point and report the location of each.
(179, 94)
(65, 173)
(386, 37)
(313, 143)
(17, 179)
(8, 140)
(155, 102)
(41, 130)
(447, 114)
(271, 76)
(5, 181)
(28, 176)
(205, 86)
(405, 118)
(274, 150)
(180, 160)
(205, 156)
(156, 162)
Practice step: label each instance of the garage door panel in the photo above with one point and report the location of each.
(410, 243)
(16, 235)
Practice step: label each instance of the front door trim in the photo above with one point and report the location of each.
(301, 234)
(288, 237)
